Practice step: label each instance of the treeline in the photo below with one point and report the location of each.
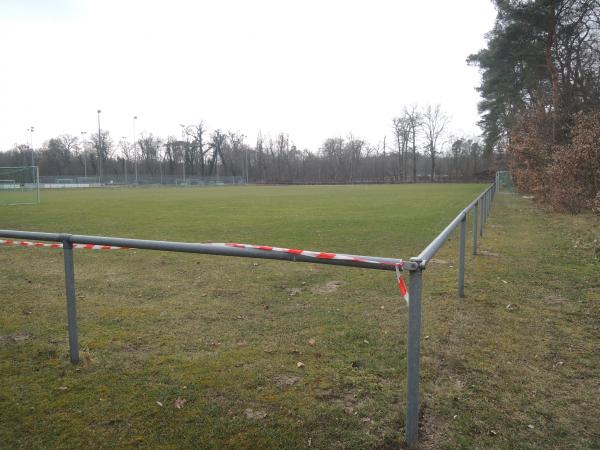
(421, 149)
(541, 98)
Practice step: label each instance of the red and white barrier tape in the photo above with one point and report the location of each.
(291, 251)
(320, 255)
(59, 245)
(402, 286)
(311, 254)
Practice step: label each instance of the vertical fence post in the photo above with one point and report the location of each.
(474, 218)
(485, 205)
(481, 213)
(413, 356)
(461, 256)
(71, 307)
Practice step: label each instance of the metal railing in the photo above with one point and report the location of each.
(480, 208)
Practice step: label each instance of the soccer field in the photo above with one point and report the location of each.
(220, 337)
(389, 220)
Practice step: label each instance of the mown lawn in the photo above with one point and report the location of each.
(222, 337)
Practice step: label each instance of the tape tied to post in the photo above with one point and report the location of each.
(402, 285)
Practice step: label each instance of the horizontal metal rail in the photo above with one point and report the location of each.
(482, 204)
(263, 252)
(430, 251)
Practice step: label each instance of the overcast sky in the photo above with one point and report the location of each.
(313, 69)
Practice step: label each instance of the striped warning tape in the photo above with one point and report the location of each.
(402, 286)
(320, 255)
(59, 245)
(312, 254)
(292, 251)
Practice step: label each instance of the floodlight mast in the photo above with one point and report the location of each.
(31, 129)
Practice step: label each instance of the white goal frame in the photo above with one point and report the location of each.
(34, 185)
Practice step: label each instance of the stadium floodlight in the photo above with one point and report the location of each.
(31, 129)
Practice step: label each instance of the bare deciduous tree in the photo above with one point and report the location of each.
(435, 122)
(197, 149)
(415, 121)
(402, 134)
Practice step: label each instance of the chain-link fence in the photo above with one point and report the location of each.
(69, 181)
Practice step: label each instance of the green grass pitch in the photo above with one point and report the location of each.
(222, 337)
(225, 334)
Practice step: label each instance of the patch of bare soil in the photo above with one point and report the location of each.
(486, 253)
(254, 415)
(438, 261)
(286, 380)
(329, 287)
(133, 347)
(555, 300)
(348, 401)
(14, 338)
(432, 430)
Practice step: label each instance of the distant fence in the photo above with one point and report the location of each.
(387, 180)
(479, 209)
(72, 181)
(66, 181)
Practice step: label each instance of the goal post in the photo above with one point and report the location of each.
(19, 185)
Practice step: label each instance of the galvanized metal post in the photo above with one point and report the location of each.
(474, 218)
(461, 257)
(413, 356)
(481, 214)
(485, 205)
(71, 307)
